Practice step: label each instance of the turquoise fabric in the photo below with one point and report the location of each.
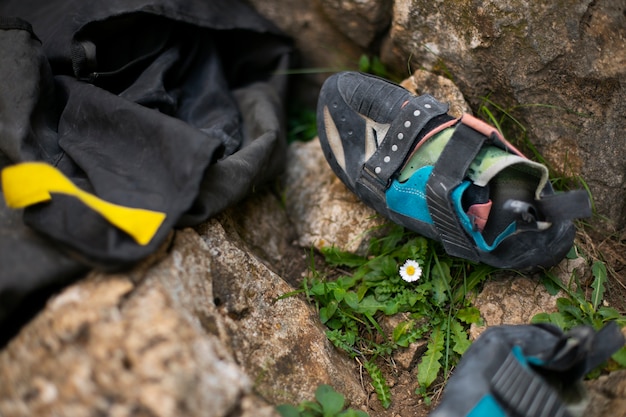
(526, 360)
(487, 407)
(469, 227)
(409, 198)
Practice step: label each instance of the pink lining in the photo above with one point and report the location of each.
(431, 134)
(487, 130)
(479, 214)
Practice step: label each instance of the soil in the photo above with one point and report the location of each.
(403, 383)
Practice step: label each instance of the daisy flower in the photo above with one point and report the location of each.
(410, 271)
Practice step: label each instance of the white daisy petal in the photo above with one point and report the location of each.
(410, 271)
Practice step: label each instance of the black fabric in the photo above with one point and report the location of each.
(567, 205)
(447, 174)
(174, 106)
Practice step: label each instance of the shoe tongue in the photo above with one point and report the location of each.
(496, 176)
(492, 160)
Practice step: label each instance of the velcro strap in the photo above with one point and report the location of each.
(519, 389)
(448, 173)
(400, 140)
(607, 341)
(582, 350)
(565, 206)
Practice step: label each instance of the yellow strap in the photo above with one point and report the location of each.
(32, 182)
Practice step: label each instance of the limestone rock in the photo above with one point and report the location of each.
(118, 345)
(261, 221)
(362, 21)
(278, 341)
(442, 88)
(607, 395)
(511, 300)
(323, 211)
(200, 332)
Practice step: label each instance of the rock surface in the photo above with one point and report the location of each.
(200, 332)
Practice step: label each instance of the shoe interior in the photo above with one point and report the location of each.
(518, 183)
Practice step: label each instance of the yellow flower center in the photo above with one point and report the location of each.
(410, 270)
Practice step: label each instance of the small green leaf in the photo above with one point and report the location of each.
(609, 313)
(352, 299)
(288, 410)
(540, 318)
(361, 291)
(318, 288)
(331, 401)
(468, 315)
(429, 366)
(335, 257)
(459, 337)
(391, 307)
(370, 306)
(553, 318)
(347, 281)
(389, 266)
(599, 272)
(339, 293)
(569, 307)
(573, 253)
(550, 285)
(310, 408)
(378, 381)
(440, 278)
(364, 63)
(401, 330)
(620, 357)
(327, 312)
(440, 296)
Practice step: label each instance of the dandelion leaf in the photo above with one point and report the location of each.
(430, 364)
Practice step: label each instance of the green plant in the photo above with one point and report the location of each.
(301, 123)
(373, 65)
(577, 308)
(436, 307)
(328, 403)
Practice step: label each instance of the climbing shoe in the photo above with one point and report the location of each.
(454, 180)
(527, 371)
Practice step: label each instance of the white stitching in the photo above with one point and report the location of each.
(408, 190)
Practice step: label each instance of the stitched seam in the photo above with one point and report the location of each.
(409, 190)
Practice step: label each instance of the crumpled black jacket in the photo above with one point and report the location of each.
(174, 106)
